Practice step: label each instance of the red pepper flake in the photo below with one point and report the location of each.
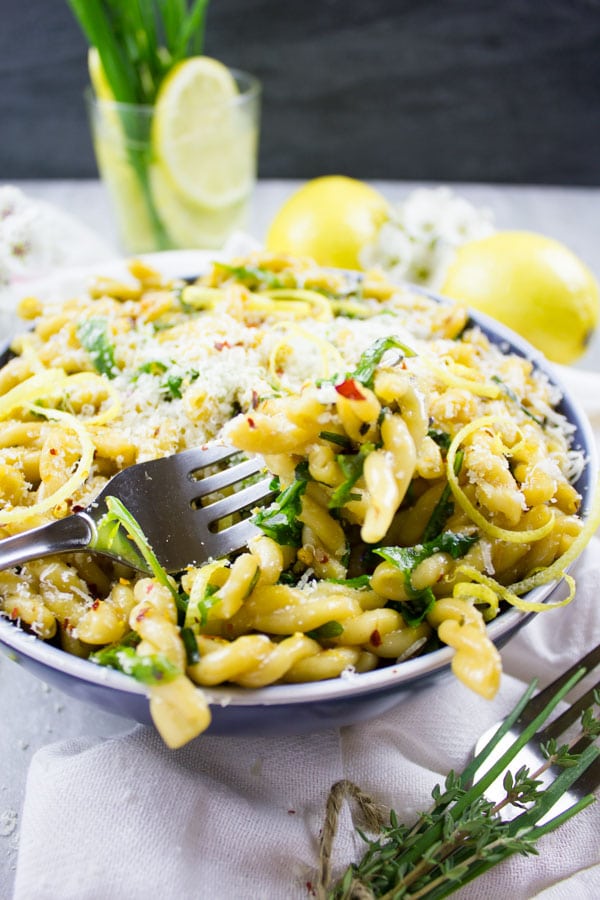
(142, 614)
(251, 423)
(222, 345)
(255, 399)
(350, 390)
(95, 604)
(53, 451)
(375, 638)
(14, 613)
(291, 812)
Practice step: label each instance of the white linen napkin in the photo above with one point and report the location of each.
(239, 819)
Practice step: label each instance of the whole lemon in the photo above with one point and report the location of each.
(329, 219)
(531, 283)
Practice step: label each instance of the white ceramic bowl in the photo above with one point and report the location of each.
(293, 708)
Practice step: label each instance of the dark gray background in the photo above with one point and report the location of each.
(503, 91)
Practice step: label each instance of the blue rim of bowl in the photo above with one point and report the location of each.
(387, 677)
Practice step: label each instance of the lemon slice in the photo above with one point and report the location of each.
(188, 224)
(200, 135)
(98, 77)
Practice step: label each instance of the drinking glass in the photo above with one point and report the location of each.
(159, 206)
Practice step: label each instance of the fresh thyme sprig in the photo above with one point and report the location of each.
(463, 834)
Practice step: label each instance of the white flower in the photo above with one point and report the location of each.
(419, 240)
(37, 238)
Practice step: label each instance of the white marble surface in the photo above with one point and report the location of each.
(32, 714)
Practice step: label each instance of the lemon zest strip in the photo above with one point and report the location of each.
(509, 595)
(503, 534)
(445, 374)
(319, 306)
(33, 388)
(82, 469)
(103, 384)
(555, 571)
(481, 594)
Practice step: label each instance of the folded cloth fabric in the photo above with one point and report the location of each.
(239, 819)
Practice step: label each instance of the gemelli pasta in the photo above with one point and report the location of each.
(422, 478)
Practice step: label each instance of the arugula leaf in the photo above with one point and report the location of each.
(442, 511)
(154, 668)
(279, 521)
(333, 437)
(444, 508)
(153, 367)
(191, 646)
(172, 387)
(408, 558)
(454, 543)
(108, 531)
(93, 336)
(510, 393)
(207, 602)
(352, 465)
(415, 610)
(327, 630)
(442, 438)
(252, 276)
(370, 359)
(360, 583)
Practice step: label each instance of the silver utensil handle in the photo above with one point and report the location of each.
(72, 533)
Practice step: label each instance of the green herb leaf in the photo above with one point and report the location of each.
(370, 359)
(93, 336)
(333, 437)
(510, 393)
(360, 583)
(442, 438)
(280, 521)
(153, 367)
(192, 654)
(352, 465)
(408, 558)
(455, 544)
(172, 387)
(153, 668)
(252, 276)
(207, 602)
(326, 631)
(444, 508)
(108, 530)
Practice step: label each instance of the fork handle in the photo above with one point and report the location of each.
(72, 533)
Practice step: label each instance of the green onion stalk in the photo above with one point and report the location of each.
(138, 43)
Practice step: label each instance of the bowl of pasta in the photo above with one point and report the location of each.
(431, 484)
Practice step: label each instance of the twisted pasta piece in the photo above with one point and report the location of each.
(476, 662)
(178, 711)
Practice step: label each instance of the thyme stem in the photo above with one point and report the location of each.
(463, 834)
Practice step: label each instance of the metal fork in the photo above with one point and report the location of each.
(179, 507)
(529, 729)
